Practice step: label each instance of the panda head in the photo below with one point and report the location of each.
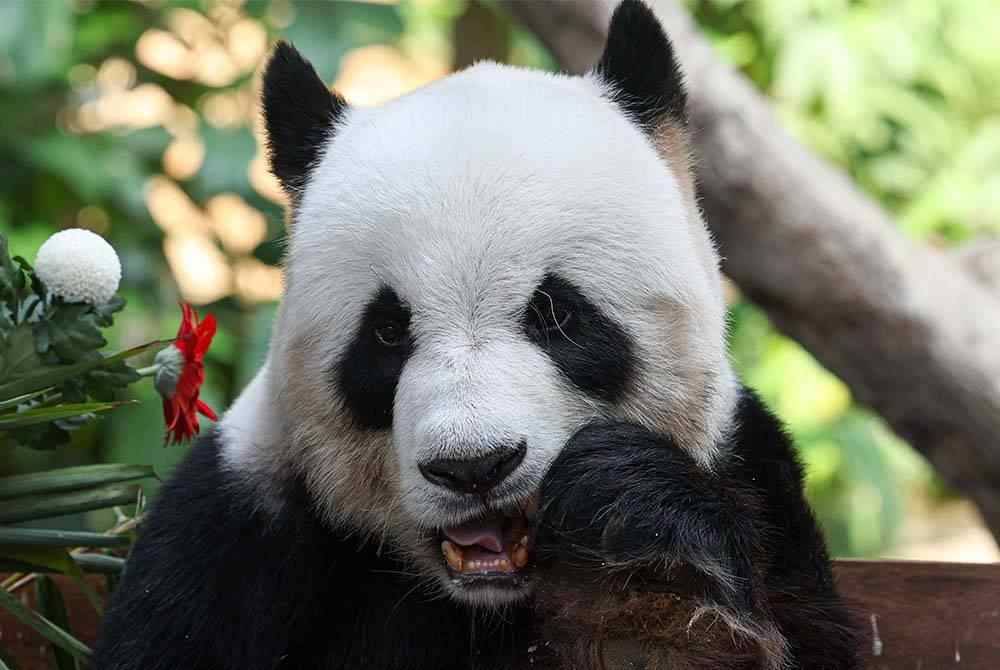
(475, 271)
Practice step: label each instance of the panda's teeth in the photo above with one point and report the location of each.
(520, 556)
(453, 555)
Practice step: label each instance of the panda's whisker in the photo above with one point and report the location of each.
(387, 523)
(400, 573)
(407, 594)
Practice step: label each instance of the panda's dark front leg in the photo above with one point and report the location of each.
(638, 542)
(622, 500)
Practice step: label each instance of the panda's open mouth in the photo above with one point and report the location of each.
(493, 547)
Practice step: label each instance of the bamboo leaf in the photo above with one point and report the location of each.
(17, 400)
(39, 415)
(54, 375)
(89, 564)
(100, 563)
(57, 559)
(52, 607)
(49, 559)
(29, 508)
(71, 479)
(43, 537)
(43, 626)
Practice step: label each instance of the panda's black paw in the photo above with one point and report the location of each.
(623, 502)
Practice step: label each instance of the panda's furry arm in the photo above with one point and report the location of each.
(629, 512)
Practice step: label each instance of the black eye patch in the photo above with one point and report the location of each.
(369, 371)
(590, 349)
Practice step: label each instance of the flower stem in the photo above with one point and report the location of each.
(149, 371)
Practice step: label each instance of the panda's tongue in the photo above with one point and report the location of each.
(485, 533)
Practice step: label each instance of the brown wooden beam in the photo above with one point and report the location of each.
(926, 616)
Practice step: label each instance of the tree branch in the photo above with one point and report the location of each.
(913, 333)
(982, 259)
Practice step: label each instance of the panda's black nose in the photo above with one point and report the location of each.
(475, 475)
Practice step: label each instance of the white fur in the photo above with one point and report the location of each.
(461, 196)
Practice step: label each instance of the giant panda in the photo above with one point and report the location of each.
(497, 427)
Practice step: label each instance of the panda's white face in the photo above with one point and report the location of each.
(475, 271)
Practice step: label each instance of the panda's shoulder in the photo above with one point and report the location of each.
(206, 505)
(759, 440)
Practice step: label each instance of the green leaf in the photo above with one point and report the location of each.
(22, 399)
(57, 559)
(5, 663)
(43, 626)
(71, 479)
(6, 324)
(55, 375)
(52, 607)
(54, 559)
(103, 382)
(41, 436)
(70, 331)
(29, 508)
(103, 313)
(86, 564)
(8, 271)
(44, 537)
(100, 563)
(19, 357)
(13, 420)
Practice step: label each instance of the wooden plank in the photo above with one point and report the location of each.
(919, 616)
(926, 616)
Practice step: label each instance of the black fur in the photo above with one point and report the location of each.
(622, 501)
(299, 114)
(216, 583)
(369, 371)
(640, 65)
(593, 351)
(620, 495)
(799, 582)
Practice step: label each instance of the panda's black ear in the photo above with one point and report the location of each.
(299, 115)
(640, 68)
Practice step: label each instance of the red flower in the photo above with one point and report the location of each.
(180, 376)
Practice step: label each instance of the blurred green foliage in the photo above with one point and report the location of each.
(903, 94)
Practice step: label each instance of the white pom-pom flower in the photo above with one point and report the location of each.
(79, 266)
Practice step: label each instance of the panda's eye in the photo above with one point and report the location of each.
(390, 333)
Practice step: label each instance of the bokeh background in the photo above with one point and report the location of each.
(139, 120)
